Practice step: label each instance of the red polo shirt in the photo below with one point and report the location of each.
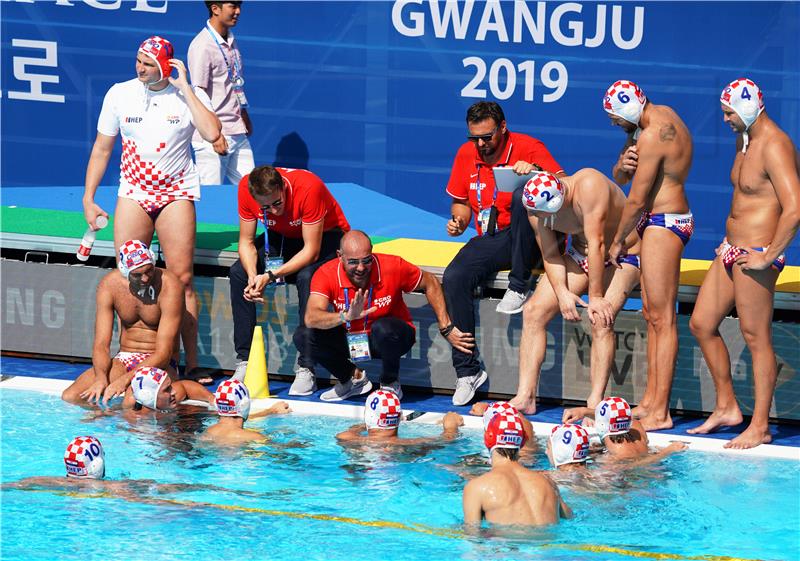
(390, 277)
(469, 168)
(308, 201)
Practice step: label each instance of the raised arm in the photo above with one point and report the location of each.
(623, 170)
(204, 120)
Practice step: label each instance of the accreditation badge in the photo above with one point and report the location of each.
(483, 218)
(238, 91)
(273, 264)
(358, 344)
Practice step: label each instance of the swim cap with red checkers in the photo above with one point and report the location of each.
(232, 399)
(382, 410)
(612, 416)
(84, 458)
(744, 97)
(543, 192)
(496, 408)
(505, 430)
(569, 444)
(132, 255)
(160, 50)
(625, 99)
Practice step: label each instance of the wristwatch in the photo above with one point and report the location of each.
(272, 277)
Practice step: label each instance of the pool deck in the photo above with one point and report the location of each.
(52, 377)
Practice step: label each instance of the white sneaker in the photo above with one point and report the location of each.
(304, 382)
(512, 302)
(347, 389)
(240, 371)
(466, 386)
(395, 388)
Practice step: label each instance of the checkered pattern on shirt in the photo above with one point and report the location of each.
(156, 185)
(75, 454)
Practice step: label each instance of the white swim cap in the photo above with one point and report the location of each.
(132, 255)
(84, 458)
(232, 399)
(505, 430)
(612, 416)
(146, 384)
(569, 444)
(495, 408)
(543, 192)
(625, 99)
(382, 410)
(744, 97)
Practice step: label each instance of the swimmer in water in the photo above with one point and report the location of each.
(511, 493)
(154, 390)
(232, 400)
(382, 415)
(623, 437)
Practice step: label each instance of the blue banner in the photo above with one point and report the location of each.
(375, 93)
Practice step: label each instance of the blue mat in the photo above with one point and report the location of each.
(782, 435)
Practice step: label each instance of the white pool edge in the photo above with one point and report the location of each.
(55, 387)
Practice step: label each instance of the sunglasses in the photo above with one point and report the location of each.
(484, 137)
(276, 205)
(355, 262)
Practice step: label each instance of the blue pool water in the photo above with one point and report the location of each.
(326, 502)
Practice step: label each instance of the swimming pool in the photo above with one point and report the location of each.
(325, 502)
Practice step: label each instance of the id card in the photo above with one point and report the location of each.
(358, 344)
(483, 218)
(273, 264)
(239, 93)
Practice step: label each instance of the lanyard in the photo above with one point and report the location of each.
(235, 75)
(347, 307)
(480, 188)
(266, 234)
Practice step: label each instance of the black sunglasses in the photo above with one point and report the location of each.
(484, 137)
(355, 262)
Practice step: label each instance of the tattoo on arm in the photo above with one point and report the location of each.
(667, 133)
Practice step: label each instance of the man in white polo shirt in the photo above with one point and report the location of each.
(215, 65)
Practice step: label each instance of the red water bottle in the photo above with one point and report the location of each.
(88, 239)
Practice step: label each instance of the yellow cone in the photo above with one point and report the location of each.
(255, 378)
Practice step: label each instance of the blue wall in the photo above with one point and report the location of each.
(375, 92)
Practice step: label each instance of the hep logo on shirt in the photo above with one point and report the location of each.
(133, 120)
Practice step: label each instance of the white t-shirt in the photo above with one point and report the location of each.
(157, 128)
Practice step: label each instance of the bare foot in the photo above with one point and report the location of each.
(639, 412)
(727, 418)
(750, 438)
(654, 422)
(524, 406)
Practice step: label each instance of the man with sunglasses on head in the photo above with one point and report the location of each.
(304, 225)
(504, 241)
(356, 312)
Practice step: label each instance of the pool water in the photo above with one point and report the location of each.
(326, 502)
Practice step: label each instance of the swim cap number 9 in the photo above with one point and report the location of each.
(567, 438)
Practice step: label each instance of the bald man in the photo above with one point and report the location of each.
(356, 312)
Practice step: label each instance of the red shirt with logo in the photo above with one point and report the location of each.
(391, 276)
(469, 169)
(308, 201)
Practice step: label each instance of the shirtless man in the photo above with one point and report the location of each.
(568, 447)
(232, 400)
(588, 206)
(622, 436)
(149, 303)
(764, 217)
(382, 415)
(153, 389)
(510, 493)
(656, 159)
